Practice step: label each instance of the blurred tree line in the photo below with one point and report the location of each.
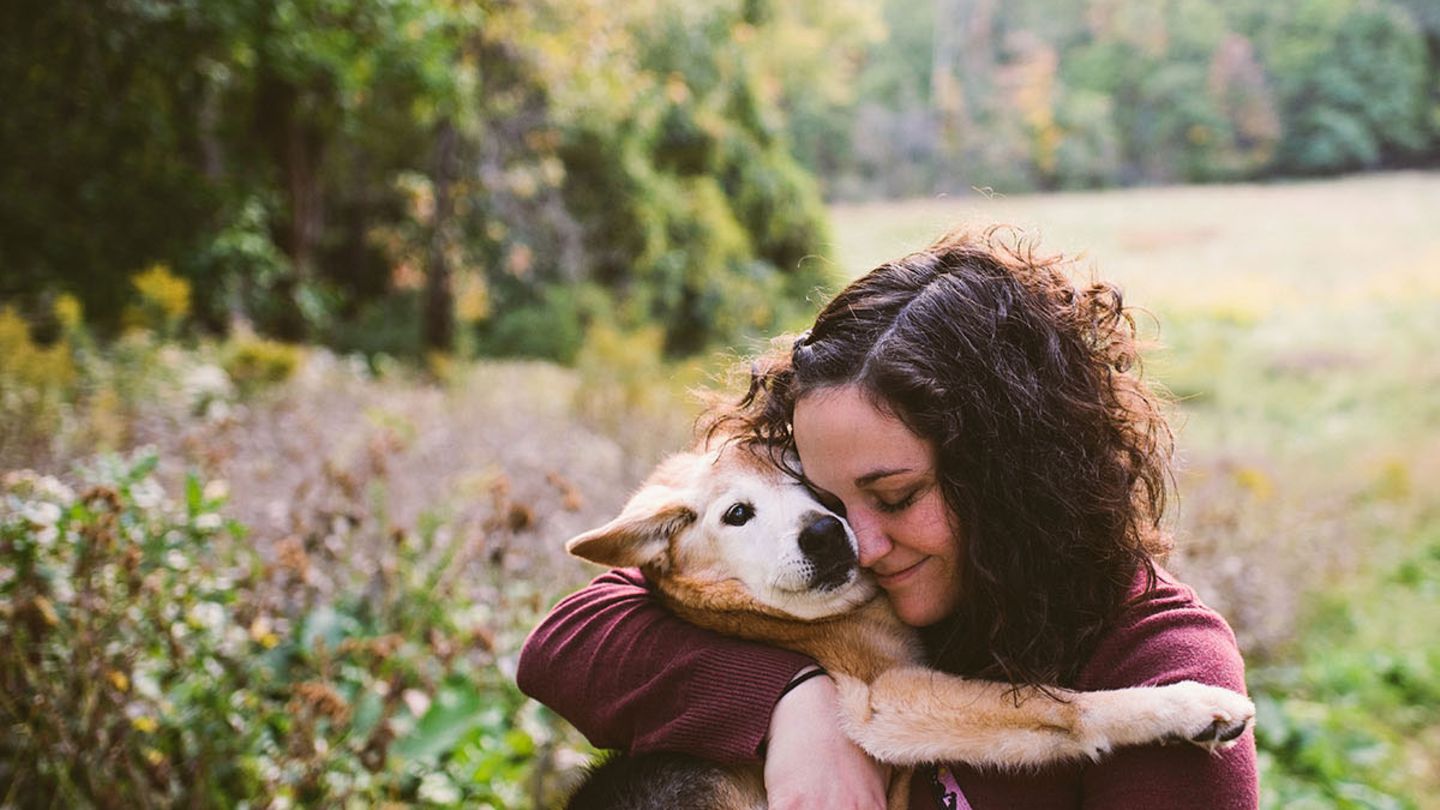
(500, 176)
(486, 176)
(1045, 94)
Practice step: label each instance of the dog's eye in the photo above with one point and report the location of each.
(739, 514)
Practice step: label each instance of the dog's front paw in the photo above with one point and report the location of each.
(1217, 716)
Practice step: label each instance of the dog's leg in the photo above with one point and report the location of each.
(913, 715)
(1207, 716)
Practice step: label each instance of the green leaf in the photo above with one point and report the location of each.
(367, 709)
(519, 743)
(453, 714)
(327, 625)
(142, 468)
(194, 495)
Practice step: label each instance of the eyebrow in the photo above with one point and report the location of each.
(875, 475)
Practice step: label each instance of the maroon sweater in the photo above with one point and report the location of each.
(630, 675)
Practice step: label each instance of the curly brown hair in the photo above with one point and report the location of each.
(1051, 452)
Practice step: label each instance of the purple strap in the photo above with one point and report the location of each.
(947, 792)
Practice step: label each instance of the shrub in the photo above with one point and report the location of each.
(1347, 724)
(149, 658)
(253, 363)
(35, 382)
(164, 301)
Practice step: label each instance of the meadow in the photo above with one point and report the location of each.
(241, 574)
(1296, 326)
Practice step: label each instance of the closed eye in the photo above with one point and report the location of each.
(897, 506)
(738, 514)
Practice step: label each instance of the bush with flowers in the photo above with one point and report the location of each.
(147, 657)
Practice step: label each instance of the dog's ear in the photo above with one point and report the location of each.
(638, 537)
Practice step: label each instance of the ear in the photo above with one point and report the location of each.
(640, 536)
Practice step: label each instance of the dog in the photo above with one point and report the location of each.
(733, 544)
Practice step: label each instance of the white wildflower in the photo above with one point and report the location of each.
(144, 684)
(147, 494)
(48, 486)
(41, 513)
(216, 490)
(62, 590)
(437, 788)
(208, 615)
(208, 522)
(19, 481)
(217, 410)
(235, 640)
(418, 702)
(204, 383)
(46, 536)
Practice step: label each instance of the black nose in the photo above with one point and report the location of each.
(827, 549)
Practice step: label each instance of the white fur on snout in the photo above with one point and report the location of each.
(764, 553)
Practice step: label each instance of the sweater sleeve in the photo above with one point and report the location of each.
(1168, 636)
(628, 674)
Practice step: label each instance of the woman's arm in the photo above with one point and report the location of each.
(1171, 637)
(628, 674)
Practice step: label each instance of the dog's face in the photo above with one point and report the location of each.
(726, 517)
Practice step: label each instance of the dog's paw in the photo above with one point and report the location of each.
(1218, 716)
(854, 694)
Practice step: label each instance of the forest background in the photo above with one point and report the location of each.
(324, 323)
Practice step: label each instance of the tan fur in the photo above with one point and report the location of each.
(898, 711)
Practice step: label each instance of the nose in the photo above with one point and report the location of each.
(869, 535)
(826, 547)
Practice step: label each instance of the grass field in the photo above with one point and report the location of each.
(1285, 245)
(1298, 327)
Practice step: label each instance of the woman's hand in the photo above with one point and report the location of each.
(809, 762)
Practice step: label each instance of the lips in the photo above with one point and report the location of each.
(888, 581)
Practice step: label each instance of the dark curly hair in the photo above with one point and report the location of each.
(1051, 453)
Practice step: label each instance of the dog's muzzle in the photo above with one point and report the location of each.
(827, 549)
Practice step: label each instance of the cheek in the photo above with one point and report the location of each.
(931, 530)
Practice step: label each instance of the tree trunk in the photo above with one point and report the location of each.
(439, 320)
(296, 147)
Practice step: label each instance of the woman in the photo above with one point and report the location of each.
(975, 418)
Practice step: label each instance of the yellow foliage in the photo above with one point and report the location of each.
(618, 370)
(256, 362)
(472, 298)
(165, 297)
(118, 679)
(106, 418)
(1393, 483)
(24, 364)
(441, 365)
(14, 339)
(69, 312)
(1256, 482)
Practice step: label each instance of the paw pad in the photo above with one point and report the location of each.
(1221, 733)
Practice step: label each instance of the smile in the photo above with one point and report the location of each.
(888, 581)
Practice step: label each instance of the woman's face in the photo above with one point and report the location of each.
(869, 462)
